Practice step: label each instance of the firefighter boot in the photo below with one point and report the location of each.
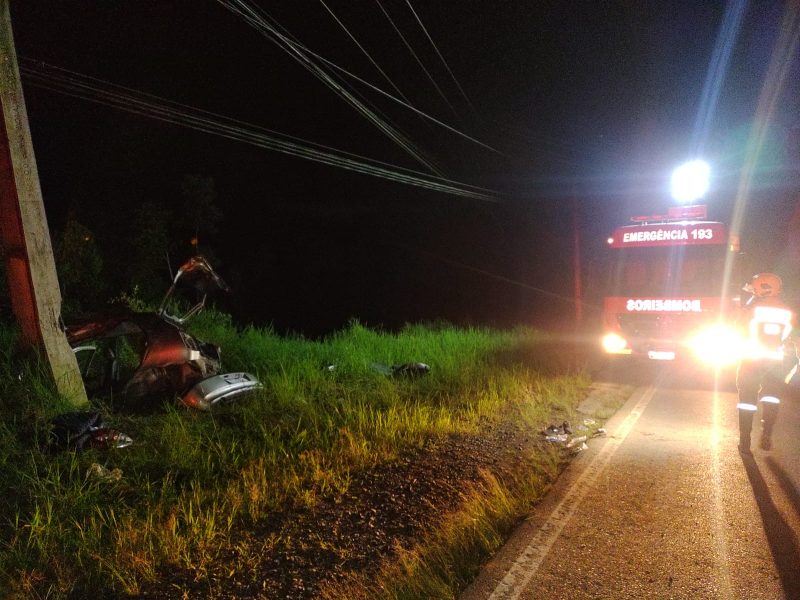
(745, 427)
(769, 416)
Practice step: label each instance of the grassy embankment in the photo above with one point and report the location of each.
(192, 478)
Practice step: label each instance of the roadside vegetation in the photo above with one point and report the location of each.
(193, 484)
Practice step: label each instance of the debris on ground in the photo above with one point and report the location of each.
(85, 429)
(576, 441)
(586, 427)
(563, 429)
(410, 370)
(219, 389)
(563, 435)
(106, 438)
(100, 473)
(134, 355)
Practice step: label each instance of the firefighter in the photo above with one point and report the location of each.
(769, 359)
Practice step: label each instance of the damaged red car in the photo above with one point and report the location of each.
(133, 355)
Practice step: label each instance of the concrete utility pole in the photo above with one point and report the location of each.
(31, 271)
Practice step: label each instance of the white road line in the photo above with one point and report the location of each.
(528, 562)
(722, 570)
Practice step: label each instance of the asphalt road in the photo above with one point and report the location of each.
(664, 507)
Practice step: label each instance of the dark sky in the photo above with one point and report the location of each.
(591, 102)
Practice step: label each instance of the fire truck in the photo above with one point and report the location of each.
(669, 297)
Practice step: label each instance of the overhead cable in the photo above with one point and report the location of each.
(96, 90)
(444, 62)
(414, 54)
(289, 38)
(408, 106)
(389, 96)
(364, 51)
(250, 15)
(384, 93)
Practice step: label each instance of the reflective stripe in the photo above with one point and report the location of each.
(746, 406)
(771, 400)
(774, 314)
(790, 374)
(774, 321)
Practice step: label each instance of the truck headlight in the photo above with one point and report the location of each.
(615, 344)
(717, 345)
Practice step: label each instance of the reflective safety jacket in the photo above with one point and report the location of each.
(769, 324)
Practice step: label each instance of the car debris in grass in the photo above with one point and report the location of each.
(81, 430)
(99, 472)
(139, 354)
(410, 369)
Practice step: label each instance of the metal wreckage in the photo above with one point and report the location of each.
(133, 355)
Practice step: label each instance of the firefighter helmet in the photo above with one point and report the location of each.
(764, 284)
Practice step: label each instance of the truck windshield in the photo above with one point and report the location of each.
(669, 271)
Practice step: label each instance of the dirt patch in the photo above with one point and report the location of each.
(386, 509)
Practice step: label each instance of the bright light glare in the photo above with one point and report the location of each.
(718, 345)
(690, 181)
(661, 355)
(615, 344)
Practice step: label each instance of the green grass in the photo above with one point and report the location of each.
(192, 478)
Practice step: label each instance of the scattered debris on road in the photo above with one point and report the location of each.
(563, 435)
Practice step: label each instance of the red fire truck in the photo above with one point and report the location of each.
(669, 297)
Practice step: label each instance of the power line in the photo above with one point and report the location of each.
(368, 55)
(444, 62)
(96, 90)
(364, 51)
(265, 15)
(251, 16)
(414, 54)
(407, 105)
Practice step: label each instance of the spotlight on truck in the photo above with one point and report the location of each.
(690, 181)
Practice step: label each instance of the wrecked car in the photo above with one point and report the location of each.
(139, 354)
